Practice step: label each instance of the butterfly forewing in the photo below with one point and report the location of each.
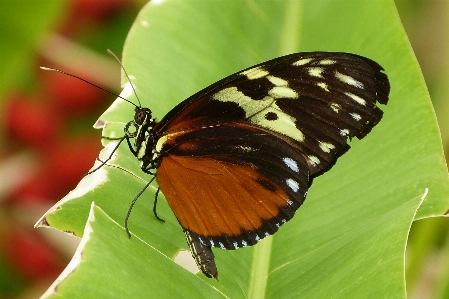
(236, 159)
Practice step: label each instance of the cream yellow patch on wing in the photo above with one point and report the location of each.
(284, 124)
(316, 72)
(302, 61)
(314, 160)
(283, 92)
(326, 62)
(336, 107)
(277, 81)
(323, 86)
(356, 98)
(255, 73)
(344, 132)
(355, 116)
(348, 80)
(326, 147)
(161, 141)
(250, 106)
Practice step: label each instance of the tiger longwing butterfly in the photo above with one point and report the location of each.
(235, 160)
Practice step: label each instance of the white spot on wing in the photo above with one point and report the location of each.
(314, 160)
(292, 184)
(326, 62)
(344, 132)
(336, 107)
(277, 81)
(355, 116)
(283, 92)
(348, 80)
(356, 98)
(291, 164)
(316, 72)
(326, 147)
(255, 73)
(302, 61)
(323, 86)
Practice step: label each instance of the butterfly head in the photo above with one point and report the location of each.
(142, 116)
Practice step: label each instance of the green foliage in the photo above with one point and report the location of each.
(24, 24)
(348, 239)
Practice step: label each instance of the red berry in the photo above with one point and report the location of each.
(97, 10)
(32, 121)
(66, 161)
(37, 189)
(30, 255)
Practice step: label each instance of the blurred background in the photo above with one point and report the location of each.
(47, 141)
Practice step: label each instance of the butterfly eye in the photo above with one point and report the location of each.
(141, 115)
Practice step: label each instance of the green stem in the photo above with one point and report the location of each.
(260, 268)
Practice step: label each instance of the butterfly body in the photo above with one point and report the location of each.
(235, 160)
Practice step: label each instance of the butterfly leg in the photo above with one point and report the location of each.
(203, 255)
(132, 205)
(110, 156)
(154, 206)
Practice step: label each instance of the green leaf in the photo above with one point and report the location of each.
(99, 261)
(24, 25)
(348, 239)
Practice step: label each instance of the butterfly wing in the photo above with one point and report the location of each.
(316, 99)
(238, 157)
(232, 184)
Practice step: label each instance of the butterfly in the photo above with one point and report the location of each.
(236, 160)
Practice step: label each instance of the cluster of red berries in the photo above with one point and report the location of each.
(46, 124)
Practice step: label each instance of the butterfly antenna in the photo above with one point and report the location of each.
(90, 83)
(126, 74)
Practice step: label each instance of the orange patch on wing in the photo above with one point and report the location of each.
(214, 198)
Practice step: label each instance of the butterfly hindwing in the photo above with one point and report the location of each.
(232, 185)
